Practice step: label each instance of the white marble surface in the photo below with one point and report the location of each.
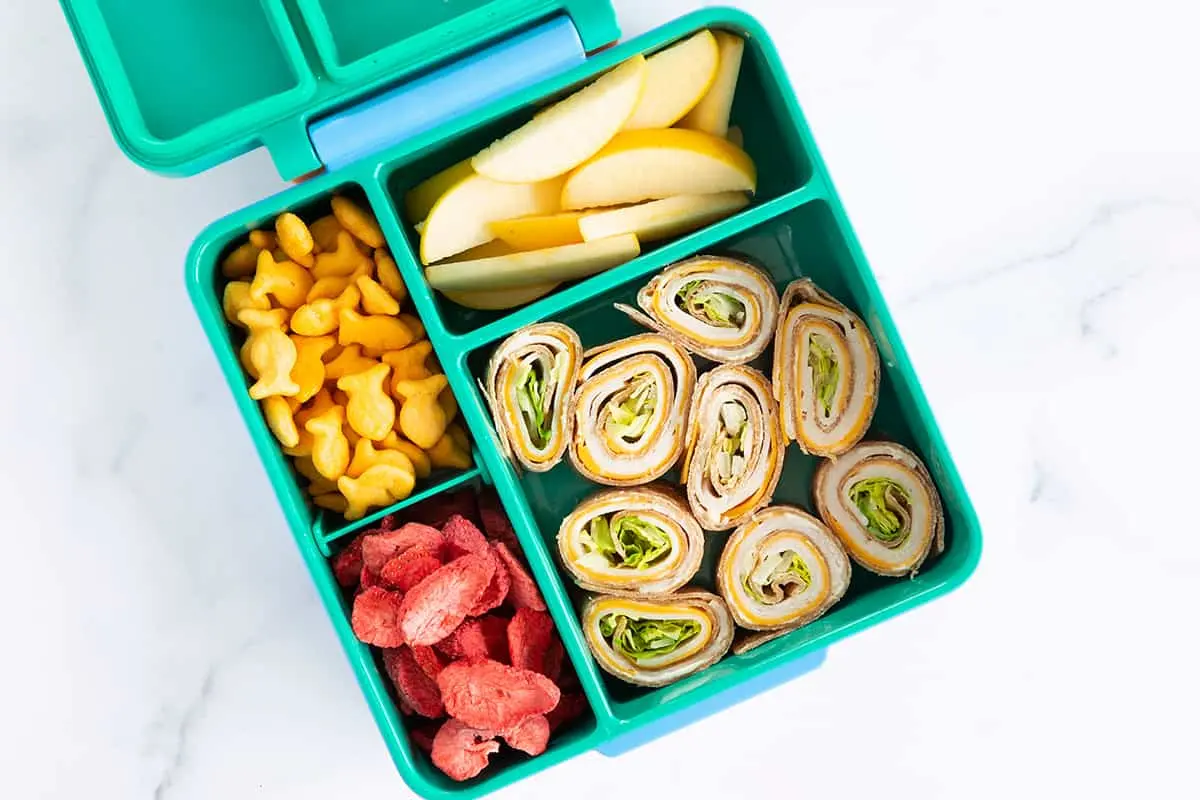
(1025, 177)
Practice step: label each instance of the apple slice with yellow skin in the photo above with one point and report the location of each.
(419, 200)
(538, 233)
(568, 133)
(459, 219)
(663, 219)
(500, 299)
(533, 268)
(711, 114)
(655, 164)
(677, 78)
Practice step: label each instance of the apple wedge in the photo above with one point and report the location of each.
(500, 299)
(662, 219)
(711, 114)
(537, 267)
(419, 200)
(655, 164)
(568, 133)
(677, 78)
(459, 219)
(538, 233)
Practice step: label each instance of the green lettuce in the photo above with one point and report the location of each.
(730, 451)
(886, 507)
(768, 582)
(630, 417)
(825, 369)
(531, 399)
(633, 542)
(704, 300)
(643, 639)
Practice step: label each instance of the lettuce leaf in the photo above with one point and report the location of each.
(643, 639)
(886, 507)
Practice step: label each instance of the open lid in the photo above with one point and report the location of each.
(188, 84)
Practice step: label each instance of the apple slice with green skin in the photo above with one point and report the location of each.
(663, 219)
(711, 114)
(677, 78)
(459, 219)
(655, 164)
(568, 133)
(533, 268)
(538, 233)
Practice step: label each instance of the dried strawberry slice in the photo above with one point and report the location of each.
(347, 564)
(436, 510)
(376, 617)
(523, 592)
(412, 684)
(439, 604)
(497, 590)
(478, 639)
(491, 696)
(406, 570)
(572, 705)
(530, 735)
(462, 537)
(460, 751)
(422, 735)
(552, 665)
(428, 660)
(379, 548)
(529, 635)
(495, 522)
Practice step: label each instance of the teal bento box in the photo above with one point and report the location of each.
(369, 98)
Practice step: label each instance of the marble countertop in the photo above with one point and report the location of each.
(1025, 178)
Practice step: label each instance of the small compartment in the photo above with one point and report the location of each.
(806, 241)
(763, 111)
(206, 283)
(171, 68)
(575, 736)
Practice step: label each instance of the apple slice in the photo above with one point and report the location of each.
(711, 114)
(459, 219)
(419, 200)
(677, 78)
(662, 219)
(500, 299)
(537, 267)
(538, 233)
(568, 133)
(654, 164)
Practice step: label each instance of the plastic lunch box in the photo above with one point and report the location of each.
(374, 96)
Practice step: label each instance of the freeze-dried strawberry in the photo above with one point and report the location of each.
(405, 709)
(478, 639)
(569, 707)
(406, 570)
(367, 579)
(379, 548)
(415, 688)
(439, 508)
(376, 617)
(522, 591)
(439, 604)
(460, 751)
(491, 696)
(422, 734)
(347, 564)
(428, 660)
(386, 524)
(495, 522)
(530, 735)
(497, 590)
(553, 662)
(529, 635)
(462, 537)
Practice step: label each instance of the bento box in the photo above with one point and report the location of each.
(187, 85)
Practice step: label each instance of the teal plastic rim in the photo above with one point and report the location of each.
(796, 227)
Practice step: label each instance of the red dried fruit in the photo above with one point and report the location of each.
(347, 565)
(379, 548)
(529, 636)
(497, 590)
(367, 579)
(386, 524)
(491, 696)
(460, 751)
(530, 735)
(415, 688)
(495, 522)
(422, 735)
(376, 617)
(522, 590)
(553, 662)
(481, 638)
(462, 537)
(572, 705)
(436, 510)
(409, 568)
(439, 604)
(405, 709)
(428, 660)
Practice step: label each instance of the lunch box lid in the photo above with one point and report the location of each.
(189, 84)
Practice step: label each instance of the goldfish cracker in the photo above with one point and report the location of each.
(304, 445)
(381, 485)
(352, 436)
(367, 456)
(414, 324)
(408, 364)
(369, 410)
(324, 288)
(357, 221)
(331, 450)
(241, 262)
(293, 403)
(237, 296)
(325, 233)
(271, 353)
(280, 420)
(460, 436)
(304, 465)
(321, 402)
(373, 332)
(320, 317)
(375, 298)
(264, 240)
(389, 275)
(422, 420)
(447, 453)
(294, 238)
(320, 486)
(286, 281)
(420, 461)
(244, 357)
(332, 501)
(348, 362)
(340, 262)
(448, 403)
(309, 372)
